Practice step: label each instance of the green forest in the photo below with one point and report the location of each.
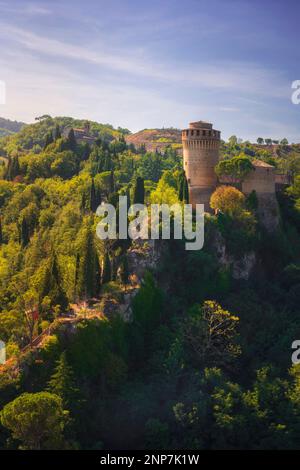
(201, 358)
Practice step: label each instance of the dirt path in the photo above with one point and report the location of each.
(38, 340)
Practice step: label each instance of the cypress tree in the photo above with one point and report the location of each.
(185, 190)
(97, 276)
(107, 165)
(57, 133)
(128, 198)
(101, 162)
(49, 140)
(8, 172)
(139, 191)
(124, 270)
(98, 197)
(111, 182)
(88, 283)
(58, 295)
(93, 197)
(15, 167)
(180, 188)
(86, 151)
(24, 233)
(71, 141)
(113, 199)
(142, 149)
(106, 270)
(62, 382)
(83, 203)
(53, 285)
(122, 139)
(77, 272)
(1, 234)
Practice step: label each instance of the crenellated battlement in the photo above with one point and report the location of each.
(200, 130)
(201, 144)
(200, 133)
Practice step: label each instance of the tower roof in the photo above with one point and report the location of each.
(200, 125)
(262, 164)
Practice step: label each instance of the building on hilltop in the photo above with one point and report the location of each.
(200, 156)
(82, 135)
(261, 179)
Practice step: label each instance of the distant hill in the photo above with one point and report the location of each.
(156, 139)
(8, 127)
(33, 136)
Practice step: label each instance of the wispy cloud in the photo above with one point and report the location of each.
(140, 64)
(229, 109)
(54, 90)
(25, 8)
(228, 75)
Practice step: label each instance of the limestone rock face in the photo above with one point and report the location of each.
(241, 268)
(142, 256)
(122, 307)
(268, 212)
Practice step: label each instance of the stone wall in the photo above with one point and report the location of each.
(261, 180)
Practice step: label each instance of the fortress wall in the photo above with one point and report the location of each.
(262, 180)
(201, 196)
(200, 156)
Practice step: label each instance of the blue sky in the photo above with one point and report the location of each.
(138, 64)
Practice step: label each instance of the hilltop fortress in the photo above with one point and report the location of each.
(200, 156)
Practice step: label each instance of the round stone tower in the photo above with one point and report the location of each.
(200, 156)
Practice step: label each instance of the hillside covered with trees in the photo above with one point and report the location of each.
(8, 127)
(137, 346)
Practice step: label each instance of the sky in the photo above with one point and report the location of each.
(160, 63)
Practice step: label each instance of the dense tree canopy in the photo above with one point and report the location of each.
(36, 419)
(205, 360)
